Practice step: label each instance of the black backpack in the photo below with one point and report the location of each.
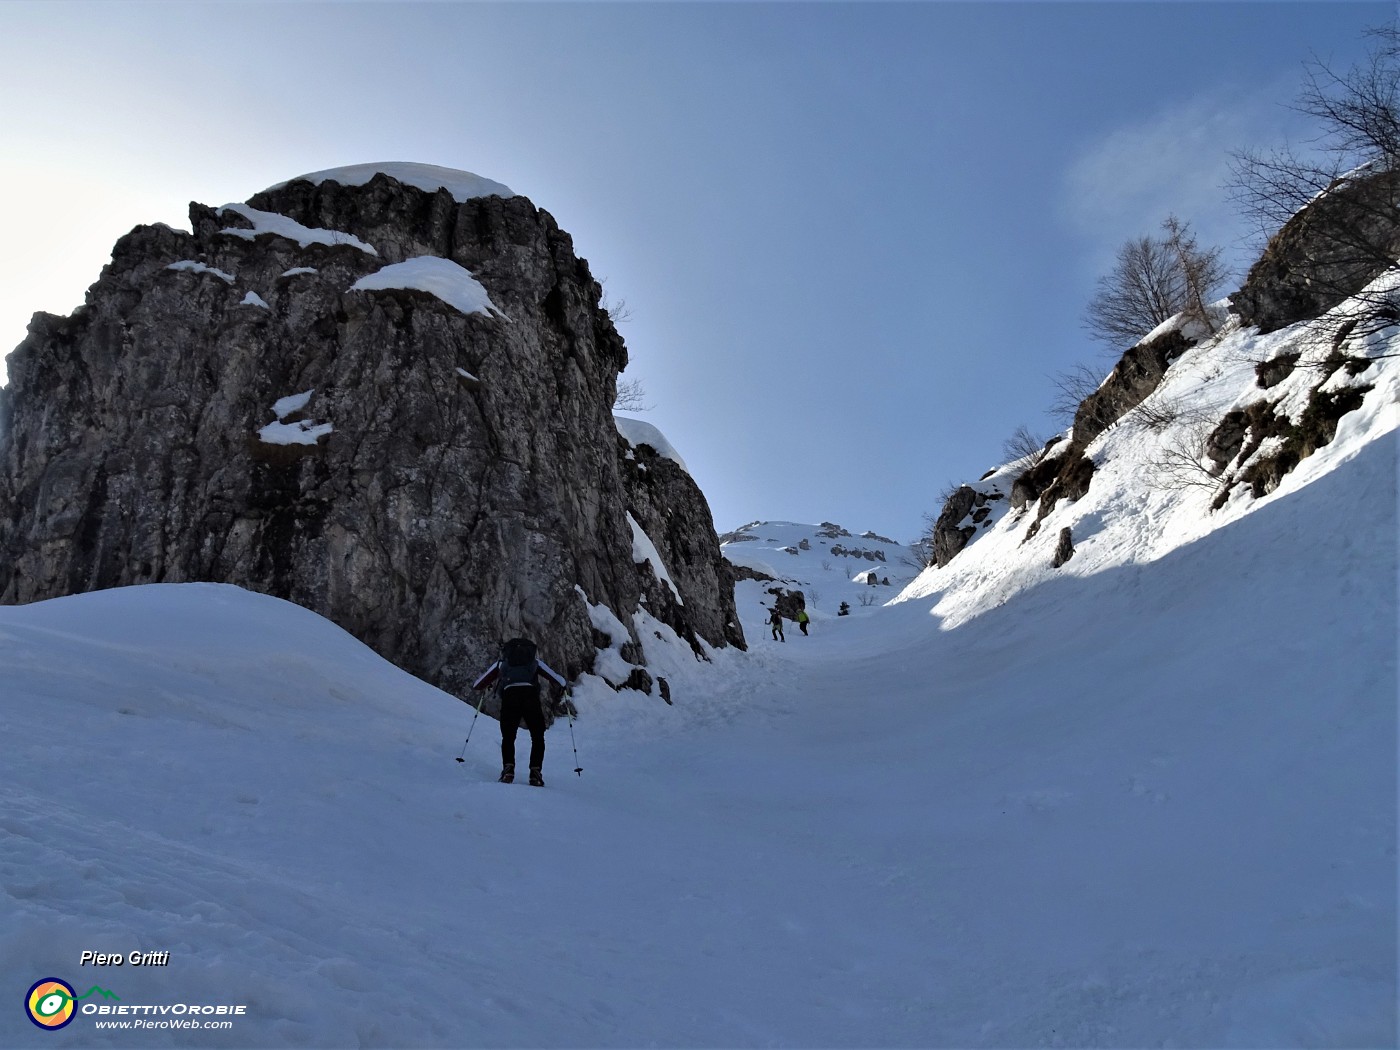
(518, 666)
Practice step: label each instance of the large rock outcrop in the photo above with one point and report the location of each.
(388, 402)
(666, 506)
(1327, 252)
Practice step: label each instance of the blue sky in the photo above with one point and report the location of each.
(856, 239)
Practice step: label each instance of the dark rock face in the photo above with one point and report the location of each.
(1316, 427)
(743, 572)
(665, 501)
(1066, 475)
(1273, 372)
(1033, 481)
(837, 550)
(788, 603)
(1328, 251)
(1069, 480)
(950, 535)
(965, 510)
(1137, 373)
(454, 478)
(1064, 548)
(1225, 441)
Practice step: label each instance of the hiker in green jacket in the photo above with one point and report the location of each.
(803, 620)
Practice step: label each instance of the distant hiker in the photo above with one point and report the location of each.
(776, 619)
(516, 676)
(803, 620)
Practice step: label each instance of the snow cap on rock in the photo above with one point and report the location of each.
(463, 185)
(638, 432)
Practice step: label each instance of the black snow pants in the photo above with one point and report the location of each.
(522, 704)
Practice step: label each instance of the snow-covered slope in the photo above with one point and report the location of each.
(1146, 805)
(826, 562)
(1146, 799)
(1154, 487)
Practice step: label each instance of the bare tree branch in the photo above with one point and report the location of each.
(631, 397)
(1072, 386)
(1152, 280)
(1023, 443)
(1349, 181)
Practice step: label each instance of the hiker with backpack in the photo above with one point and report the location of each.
(776, 619)
(516, 676)
(803, 620)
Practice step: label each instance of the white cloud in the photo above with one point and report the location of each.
(1178, 162)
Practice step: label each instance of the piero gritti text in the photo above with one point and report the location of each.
(130, 959)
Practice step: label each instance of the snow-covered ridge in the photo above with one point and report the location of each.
(828, 563)
(463, 185)
(638, 432)
(443, 278)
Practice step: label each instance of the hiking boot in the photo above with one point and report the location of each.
(507, 775)
(535, 779)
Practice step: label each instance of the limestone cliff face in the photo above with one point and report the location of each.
(387, 403)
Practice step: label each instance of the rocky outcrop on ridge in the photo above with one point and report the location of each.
(1327, 252)
(388, 403)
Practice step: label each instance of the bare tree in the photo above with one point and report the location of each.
(1158, 413)
(946, 493)
(1202, 273)
(1358, 115)
(1023, 443)
(1152, 280)
(631, 397)
(616, 309)
(1072, 386)
(924, 544)
(919, 554)
(1182, 461)
(1141, 291)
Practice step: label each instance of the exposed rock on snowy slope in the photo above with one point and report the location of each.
(1329, 251)
(381, 392)
(1311, 324)
(968, 509)
(1239, 419)
(692, 588)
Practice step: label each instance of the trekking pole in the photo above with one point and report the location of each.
(569, 701)
(471, 727)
